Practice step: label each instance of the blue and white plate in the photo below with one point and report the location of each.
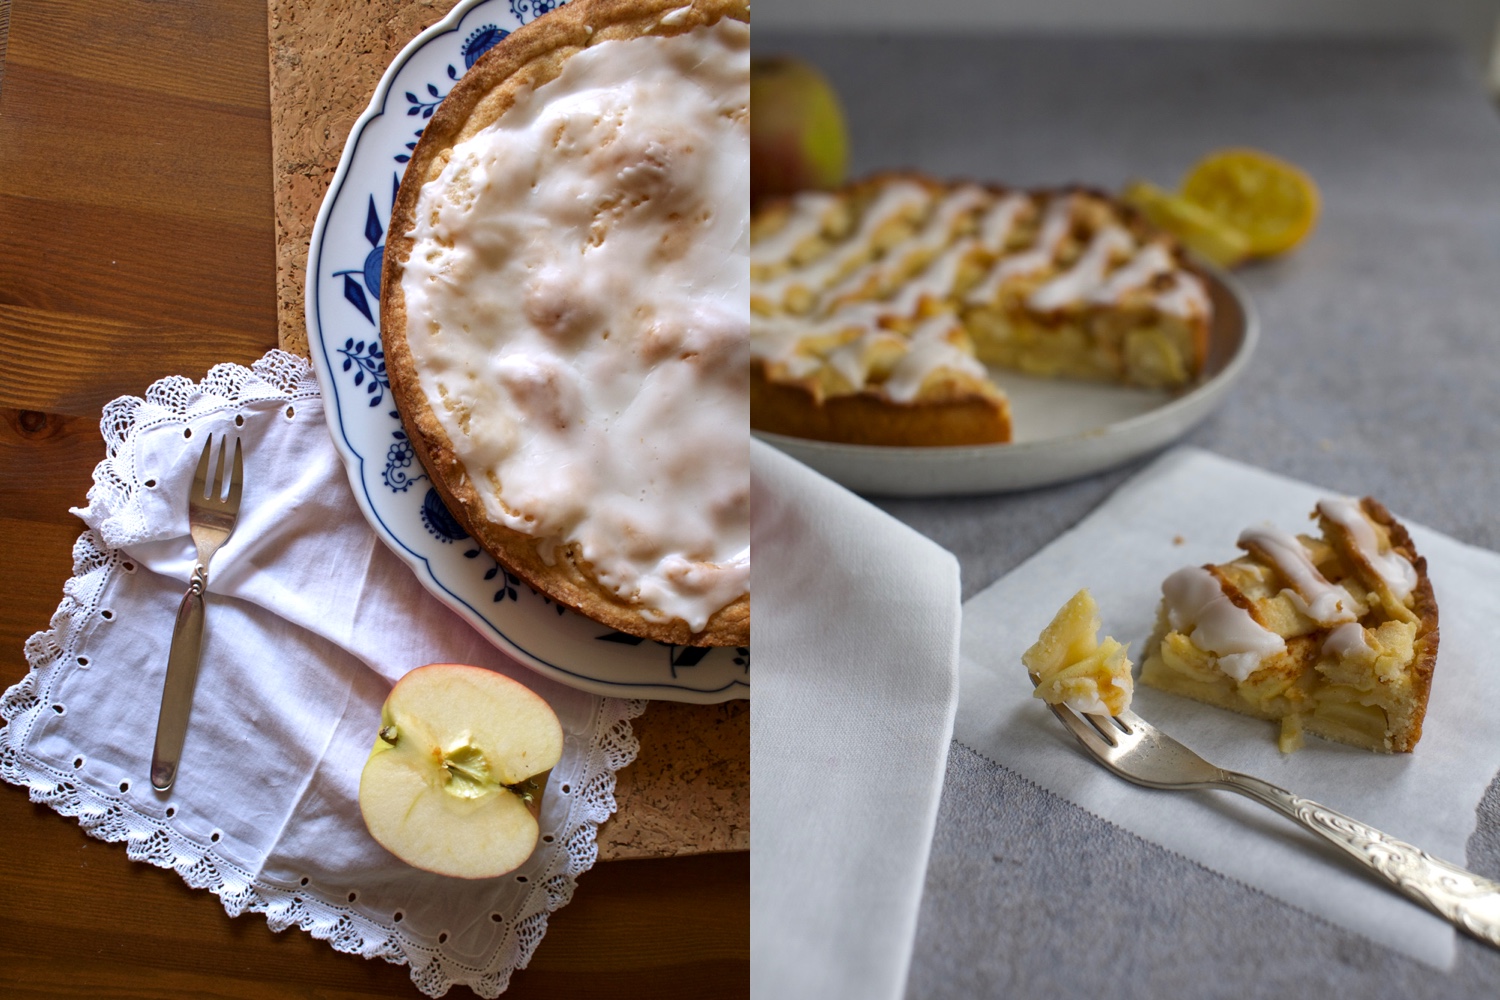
(343, 329)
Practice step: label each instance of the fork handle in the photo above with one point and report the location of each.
(1470, 902)
(182, 674)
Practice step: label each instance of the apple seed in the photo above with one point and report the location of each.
(525, 789)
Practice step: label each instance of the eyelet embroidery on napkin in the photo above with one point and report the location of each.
(111, 817)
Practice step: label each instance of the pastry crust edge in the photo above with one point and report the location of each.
(1424, 606)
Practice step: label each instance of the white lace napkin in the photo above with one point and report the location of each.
(856, 645)
(310, 619)
(1185, 509)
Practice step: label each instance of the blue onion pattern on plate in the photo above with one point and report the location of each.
(343, 321)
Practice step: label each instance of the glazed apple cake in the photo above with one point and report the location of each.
(565, 316)
(875, 308)
(1070, 666)
(1336, 635)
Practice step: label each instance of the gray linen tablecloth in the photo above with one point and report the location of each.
(1377, 373)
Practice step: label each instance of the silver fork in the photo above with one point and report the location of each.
(211, 517)
(1137, 751)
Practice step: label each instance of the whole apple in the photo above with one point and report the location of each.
(798, 141)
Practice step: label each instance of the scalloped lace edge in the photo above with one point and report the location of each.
(109, 818)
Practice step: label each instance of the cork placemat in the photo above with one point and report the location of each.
(689, 790)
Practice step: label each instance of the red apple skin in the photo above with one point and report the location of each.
(798, 140)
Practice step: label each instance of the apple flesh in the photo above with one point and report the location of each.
(450, 786)
(798, 140)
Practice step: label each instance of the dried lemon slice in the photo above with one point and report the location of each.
(1201, 230)
(1268, 200)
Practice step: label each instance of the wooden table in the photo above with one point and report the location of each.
(137, 241)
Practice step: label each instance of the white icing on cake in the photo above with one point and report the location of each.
(927, 242)
(1151, 262)
(1054, 229)
(806, 224)
(899, 200)
(933, 346)
(1087, 277)
(577, 300)
(1391, 566)
(1325, 603)
(1347, 640)
(782, 340)
(1186, 296)
(861, 284)
(1197, 606)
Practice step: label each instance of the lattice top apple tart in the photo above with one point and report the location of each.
(875, 308)
(1336, 635)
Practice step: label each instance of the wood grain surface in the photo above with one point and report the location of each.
(137, 240)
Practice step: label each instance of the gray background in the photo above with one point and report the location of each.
(1377, 373)
(1469, 23)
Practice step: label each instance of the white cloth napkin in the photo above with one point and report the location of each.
(310, 619)
(1188, 508)
(856, 644)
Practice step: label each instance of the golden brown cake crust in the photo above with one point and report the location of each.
(969, 416)
(523, 61)
(1424, 605)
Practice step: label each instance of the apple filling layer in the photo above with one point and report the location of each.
(897, 291)
(1334, 635)
(1070, 666)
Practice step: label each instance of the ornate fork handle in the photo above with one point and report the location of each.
(182, 676)
(211, 519)
(1469, 901)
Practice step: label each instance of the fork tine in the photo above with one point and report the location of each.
(237, 479)
(200, 477)
(218, 490)
(1105, 728)
(1092, 739)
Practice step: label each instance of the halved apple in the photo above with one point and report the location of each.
(450, 784)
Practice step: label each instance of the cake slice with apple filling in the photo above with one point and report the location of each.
(1335, 634)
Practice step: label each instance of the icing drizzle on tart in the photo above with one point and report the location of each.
(1391, 566)
(576, 303)
(1197, 606)
(863, 269)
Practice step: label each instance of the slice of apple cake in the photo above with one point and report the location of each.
(875, 308)
(1336, 635)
